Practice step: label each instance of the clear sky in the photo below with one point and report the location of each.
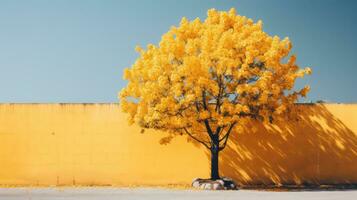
(75, 51)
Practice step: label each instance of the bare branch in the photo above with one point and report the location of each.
(219, 94)
(218, 130)
(226, 136)
(208, 127)
(200, 141)
(204, 100)
(206, 122)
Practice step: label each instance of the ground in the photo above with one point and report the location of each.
(164, 194)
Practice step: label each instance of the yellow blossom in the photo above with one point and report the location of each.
(214, 73)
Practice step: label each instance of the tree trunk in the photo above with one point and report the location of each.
(214, 163)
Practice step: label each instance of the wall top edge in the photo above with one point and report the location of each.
(111, 103)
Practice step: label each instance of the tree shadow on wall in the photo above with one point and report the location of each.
(311, 147)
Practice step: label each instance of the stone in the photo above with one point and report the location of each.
(221, 184)
(217, 186)
(226, 179)
(220, 181)
(208, 186)
(196, 184)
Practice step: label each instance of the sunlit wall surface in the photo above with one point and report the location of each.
(92, 144)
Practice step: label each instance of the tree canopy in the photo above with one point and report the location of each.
(205, 78)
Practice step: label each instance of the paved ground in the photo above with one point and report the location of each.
(158, 194)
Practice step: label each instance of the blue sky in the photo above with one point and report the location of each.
(75, 51)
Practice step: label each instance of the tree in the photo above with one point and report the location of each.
(206, 78)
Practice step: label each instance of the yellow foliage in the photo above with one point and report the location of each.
(219, 70)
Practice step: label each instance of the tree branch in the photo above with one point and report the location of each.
(219, 94)
(200, 141)
(208, 127)
(204, 100)
(218, 130)
(226, 136)
(206, 122)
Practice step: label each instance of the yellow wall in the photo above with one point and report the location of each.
(91, 144)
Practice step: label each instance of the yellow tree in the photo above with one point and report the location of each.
(205, 78)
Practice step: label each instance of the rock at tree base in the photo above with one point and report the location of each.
(220, 184)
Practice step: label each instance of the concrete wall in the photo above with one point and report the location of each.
(91, 144)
